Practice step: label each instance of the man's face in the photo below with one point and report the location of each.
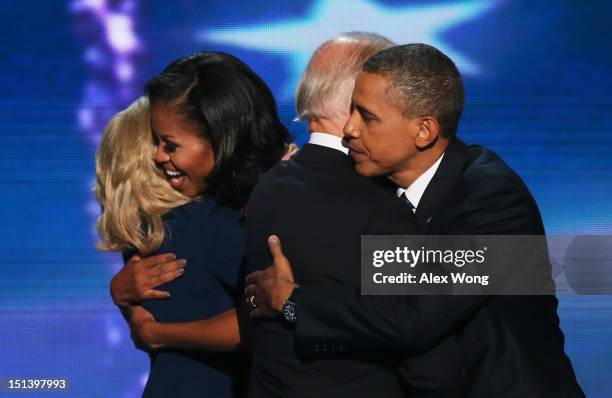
(381, 139)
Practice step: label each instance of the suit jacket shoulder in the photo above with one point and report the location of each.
(474, 192)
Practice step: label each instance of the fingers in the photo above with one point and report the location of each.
(172, 266)
(252, 302)
(164, 273)
(136, 312)
(291, 150)
(155, 294)
(275, 248)
(139, 316)
(253, 277)
(257, 313)
(281, 263)
(145, 314)
(154, 261)
(263, 286)
(168, 276)
(254, 297)
(147, 286)
(250, 290)
(143, 281)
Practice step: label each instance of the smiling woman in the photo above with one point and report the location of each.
(217, 98)
(184, 155)
(131, 190)
(212, 131)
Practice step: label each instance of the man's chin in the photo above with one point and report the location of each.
(368, 170)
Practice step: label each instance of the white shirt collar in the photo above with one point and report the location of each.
(329, 141)
(416, 190)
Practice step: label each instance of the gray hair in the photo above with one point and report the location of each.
(326, 86)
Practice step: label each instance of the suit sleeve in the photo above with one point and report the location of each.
(339, 316)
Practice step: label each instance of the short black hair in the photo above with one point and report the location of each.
(234, 111)
(422, 81)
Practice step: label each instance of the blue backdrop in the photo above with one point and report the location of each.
(538, 88)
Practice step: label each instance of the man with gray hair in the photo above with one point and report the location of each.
(319, 206)
(323, 96)
(406, 108)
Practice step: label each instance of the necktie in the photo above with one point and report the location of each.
(405, 199)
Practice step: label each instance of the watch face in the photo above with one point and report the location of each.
(289, 311)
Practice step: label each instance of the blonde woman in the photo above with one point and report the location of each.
(177, 192)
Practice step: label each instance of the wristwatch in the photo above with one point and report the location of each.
(288, 309)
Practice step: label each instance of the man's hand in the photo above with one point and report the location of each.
(267, 290)
(142, 328)
(137, 280)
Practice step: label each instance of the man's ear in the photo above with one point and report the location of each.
(428, 132)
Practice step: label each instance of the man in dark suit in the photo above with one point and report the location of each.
(406, 106)
(319, 206)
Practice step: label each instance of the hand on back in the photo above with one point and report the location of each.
(137, 280)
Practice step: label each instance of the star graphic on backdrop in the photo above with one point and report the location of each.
(298, 38)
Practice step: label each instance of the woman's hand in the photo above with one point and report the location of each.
(137, 280)
(143, 329)
(290, 151)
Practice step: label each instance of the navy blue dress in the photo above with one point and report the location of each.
(212, 240)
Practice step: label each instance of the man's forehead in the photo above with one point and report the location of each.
(370, 81)
(370, 87)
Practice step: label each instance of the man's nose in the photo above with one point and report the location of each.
(351, 128)
(160, 155)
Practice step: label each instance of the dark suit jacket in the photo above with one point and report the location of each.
(319, 206)
(509, 346)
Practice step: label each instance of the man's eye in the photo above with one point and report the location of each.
(366, 117)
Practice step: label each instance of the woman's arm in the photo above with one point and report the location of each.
(224, 251)
(220, 333)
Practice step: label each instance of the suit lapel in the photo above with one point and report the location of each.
(444, 180)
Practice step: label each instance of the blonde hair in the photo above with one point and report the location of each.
(132, 191)
(326, 86)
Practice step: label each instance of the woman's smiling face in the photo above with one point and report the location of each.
(185, 157)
